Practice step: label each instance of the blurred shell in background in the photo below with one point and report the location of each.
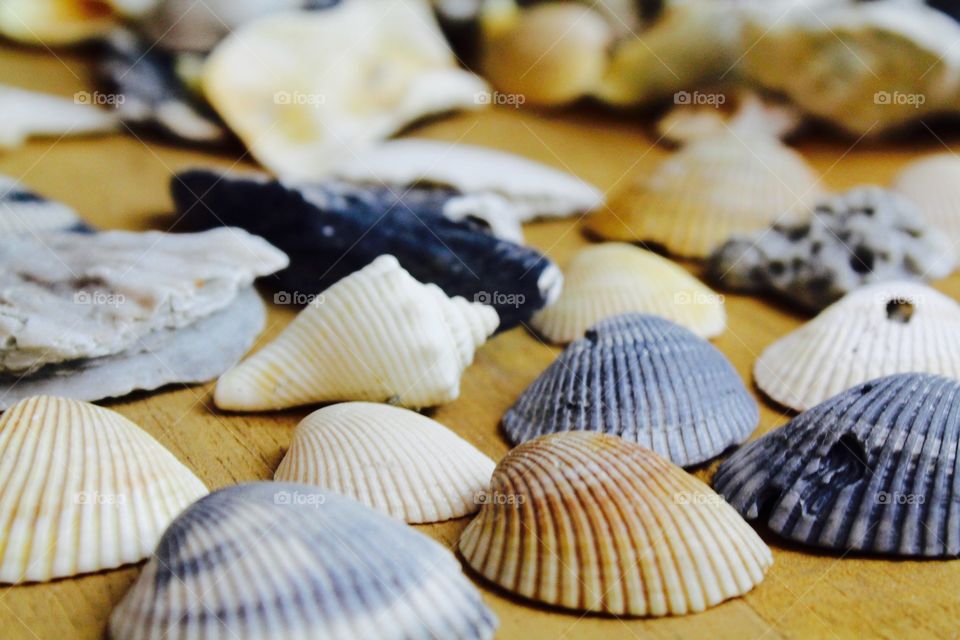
(933, 183)
(55, 22)
(24, 212)
(28, 114)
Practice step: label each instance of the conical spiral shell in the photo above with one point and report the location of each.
(872, 332)
(613, 278)
(378, 334)
(933, 183)
(872, 469)
(283, 561)
(391, 459)
(83, 489)
(588, 521)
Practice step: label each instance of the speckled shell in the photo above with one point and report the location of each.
(645, 379)
(613, 278)
(84, 489)
(591, 522)
(872, 469)
(391, 459)
(283, 561)
(378, 335)
(874, 331)
(933, 183)
(23, 211)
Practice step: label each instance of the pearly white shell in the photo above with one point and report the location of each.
(27, 114)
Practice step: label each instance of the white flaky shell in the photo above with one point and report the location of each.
(933, 184)
(875, 331)
(29, 114)
(391, 459)
(84, 489)
(377, 335)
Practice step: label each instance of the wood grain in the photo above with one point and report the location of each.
(121, 181)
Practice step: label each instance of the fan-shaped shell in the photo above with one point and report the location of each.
(394, 460)
(874, 331)
(589, 521)
(84, 489)
(645, 379)
(933, 183)
(871, 469)
(283, 561)
(613, 278)
(378, 334)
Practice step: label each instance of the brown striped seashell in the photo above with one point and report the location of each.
(591, 522)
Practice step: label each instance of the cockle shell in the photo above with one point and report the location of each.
(391, 459)
(54, 22)
(933, 183)
(24, 212)
(282, 561)
(378, 335)
(588, 521)
(872, 469)
(875, 331)
(27, 114)
(645, 379)
(84, 489)
(613, 278)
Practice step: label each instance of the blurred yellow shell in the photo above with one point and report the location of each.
(613, 278)
(588, 521)
(55, 22)
(933, 183)
(84, 489)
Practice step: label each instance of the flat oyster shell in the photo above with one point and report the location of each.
(27, 114)
(23, 212)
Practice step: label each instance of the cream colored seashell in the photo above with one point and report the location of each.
(84, 489)
(391, 459)
(933, 183)
(377, 335)
(54, 22)
(588, 521)
(304, 90)
(28, 114)
(614, 278)
(875, 331)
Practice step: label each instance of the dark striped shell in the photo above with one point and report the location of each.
(873, 469)
(647, 380)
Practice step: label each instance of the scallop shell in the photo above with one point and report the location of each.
(280, 561)
(875, 331)
(24, 212)
(645, 379)
(933, 183)
(378, 334)
(391, 459)
(84, 490)
(28, 114)
(591, 522)
(610, 279)
(871, 469)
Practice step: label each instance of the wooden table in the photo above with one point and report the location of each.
(121, 181)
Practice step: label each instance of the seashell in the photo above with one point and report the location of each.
(645, 379)
(865, 235)
(612, 278)
(23, 212)
(27, 114)
(84, 490)
(331, 230)
(376, 335)
(339, 570)
(391, 459)
(588, 521)
(871, 469)
(68, 296)
(875, 331)
(305, 89)
(53, 23)
(933, 183)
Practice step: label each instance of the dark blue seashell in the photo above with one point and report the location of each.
(873, 469)
(645, 379)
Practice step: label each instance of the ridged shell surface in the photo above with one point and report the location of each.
(646, 380)
(392, 459)
(591, 522)
(872, 332)
(613, 278)
(283, 561)
(378, 334)
(83, 490)
(872, 469)
(933, 184)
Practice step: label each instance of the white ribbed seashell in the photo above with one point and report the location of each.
(614, 278)
(933, 183)
(875, 331)
(84, 489)
(392, 459)
(378, 334)
(28, 114)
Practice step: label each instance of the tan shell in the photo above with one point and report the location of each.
(391, 459)
(613, 278)
(54, 22)
(933, 183)
(587, 521)
(84, 489)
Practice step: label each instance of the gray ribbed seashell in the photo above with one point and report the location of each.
(647, 380)
(873, 469)
(270, 560)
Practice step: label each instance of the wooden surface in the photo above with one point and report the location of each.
(121, 181)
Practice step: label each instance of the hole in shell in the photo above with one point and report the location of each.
(862, 260)
(843, 465)
(900, 311)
